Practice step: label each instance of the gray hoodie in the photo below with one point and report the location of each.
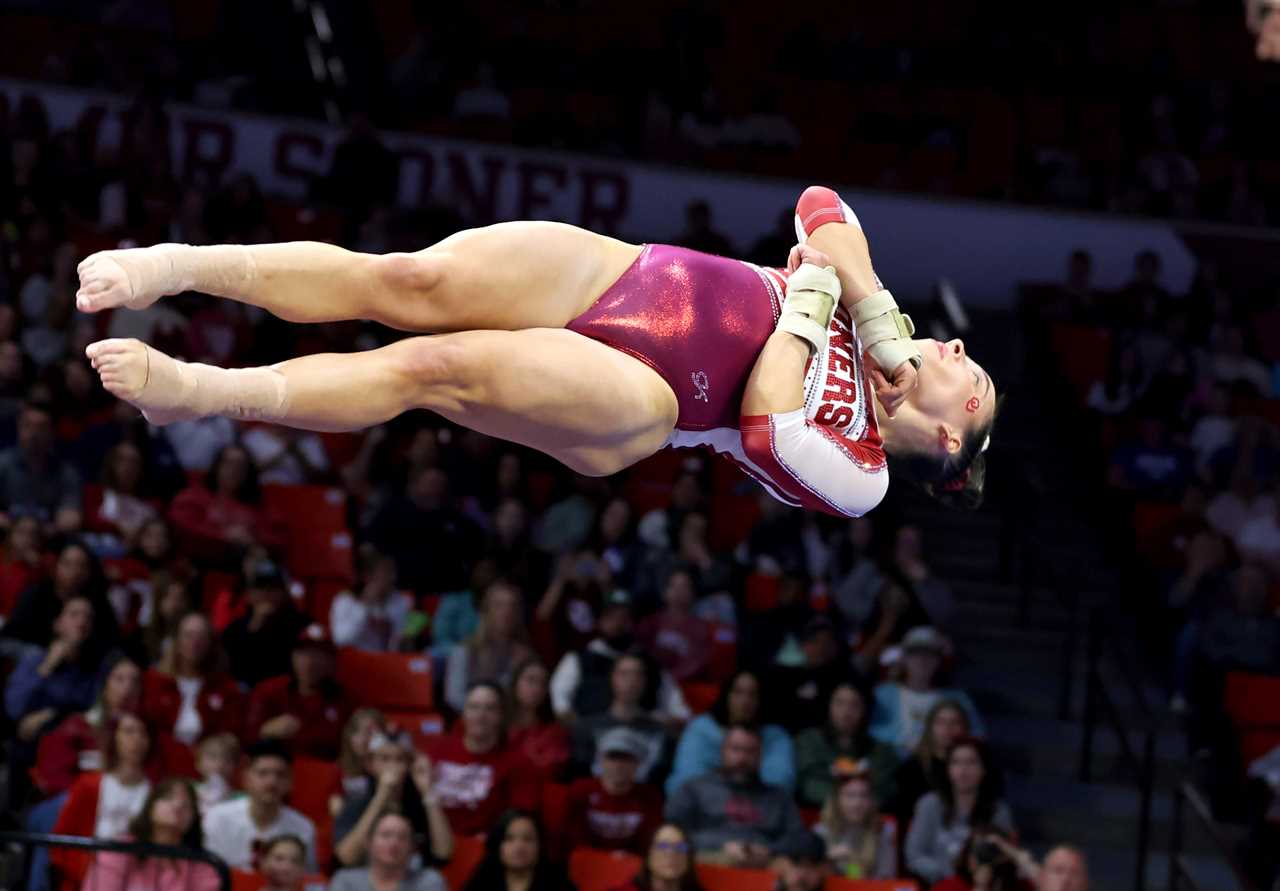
(713, 810)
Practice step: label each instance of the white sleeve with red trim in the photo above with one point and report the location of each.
(814, 466)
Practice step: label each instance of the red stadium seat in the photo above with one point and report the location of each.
(1082, 353)
(724, 651)
(468, 851)
(838, 884)
(389, 681)
(700, 696)
(313, 782)
(727, 878)
(1252, 701)
(242, 880)
(592, 870)
(321, 554)
(307, 507)
(423, 727)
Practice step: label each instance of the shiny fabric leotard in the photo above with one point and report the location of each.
(701, 321)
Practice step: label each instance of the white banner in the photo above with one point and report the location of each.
(985, 249)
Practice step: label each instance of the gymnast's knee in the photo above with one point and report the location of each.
(403, 277)
(437, 373)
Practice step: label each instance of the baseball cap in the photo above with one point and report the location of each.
(621, 741)
(924, 637)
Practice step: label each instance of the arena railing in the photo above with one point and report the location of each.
(1188, 799)
(29, 841)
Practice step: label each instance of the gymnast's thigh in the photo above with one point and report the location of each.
(590, 406)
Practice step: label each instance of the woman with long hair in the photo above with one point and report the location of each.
(170, 817)
(740, 702)
(668, 865)
(353, 757)
(76, 573)
(515, 858)
(925, 770)
(221, 518)
(125, 507)
(861, 843)
(592, 350)
(532, 728)
(844, 738)
(943, 820)
(499, 643)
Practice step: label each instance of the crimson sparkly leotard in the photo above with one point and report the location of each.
(701, 321)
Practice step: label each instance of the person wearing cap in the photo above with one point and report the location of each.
(307, 708)
(634, 682)
(402, 781)
(260, 642)
(806, 866)
(732, 816)
(902, 705)
(611, 811)
(580, 684)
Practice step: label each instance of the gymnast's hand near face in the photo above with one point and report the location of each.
(893, 392)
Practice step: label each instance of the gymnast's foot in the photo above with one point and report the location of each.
(144, 377)
(133, 278)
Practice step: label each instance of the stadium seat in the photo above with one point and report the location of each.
(838, 884)
(1252, 701)
(468, 851)
(700, 696)
(1083, 352)
(727, 878)
(423, 727)
(313, 782)
(389, 681)
(312, 507)
(592, 870)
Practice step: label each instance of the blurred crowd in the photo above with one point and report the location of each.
(1156, 108)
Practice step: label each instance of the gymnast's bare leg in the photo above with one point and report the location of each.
(593, 408)
(507, 277)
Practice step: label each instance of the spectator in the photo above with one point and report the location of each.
(170, 816)
(854, 577)
(702, 745)
(1240, 632)
(233, 829)
(499, 644)
(843, 739)
(1064, 869)
(699, 234)
(75, 745)
(282, 863)
(861, 844)
(986, 862)
(222, 517)
(353, 757)
(432, 543)
(615, 541)
(376, 616)
(900, 705)
(75, 574)
(391, 849)
(634, 682)
(933, 595)
(667, 865)
(807, 867)
(679, 640)
(23, 563)
(260, 643)
(580, 685)
(925, 770)
(532, 729)
(198, 443)
(217, 757)
(806, 687)
(456, 617)
(189, 695)
(403, 782)
(307, 708)
(34, 481)
(1115, 393)
(476, 776)
(612, 812)
(508, 544)
(943, 820)
(59, 680)
(572, 605)
(1152, 464)
(515, 858)
(124, 509)
(101, 805)
(731, 815)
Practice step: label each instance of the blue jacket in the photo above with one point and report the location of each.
(71, 688)
(698, 752)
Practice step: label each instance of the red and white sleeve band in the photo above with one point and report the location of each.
(815, 466)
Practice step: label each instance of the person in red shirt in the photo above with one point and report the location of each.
(675, 637)
(75, 745)
(533, 730)
(612, 812)
(189, 696)
(478, 776)
(306, 708)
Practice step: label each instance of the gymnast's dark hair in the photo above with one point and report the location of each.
(957, 480)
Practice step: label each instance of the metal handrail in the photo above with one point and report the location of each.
(1179, 872)
(142, 849)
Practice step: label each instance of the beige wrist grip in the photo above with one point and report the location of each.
(886, 332)
(812, 294)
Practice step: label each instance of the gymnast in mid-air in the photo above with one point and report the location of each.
(594, 351)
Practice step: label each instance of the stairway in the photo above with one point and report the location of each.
(1013, 670)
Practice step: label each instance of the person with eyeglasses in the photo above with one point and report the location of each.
(668, 865)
